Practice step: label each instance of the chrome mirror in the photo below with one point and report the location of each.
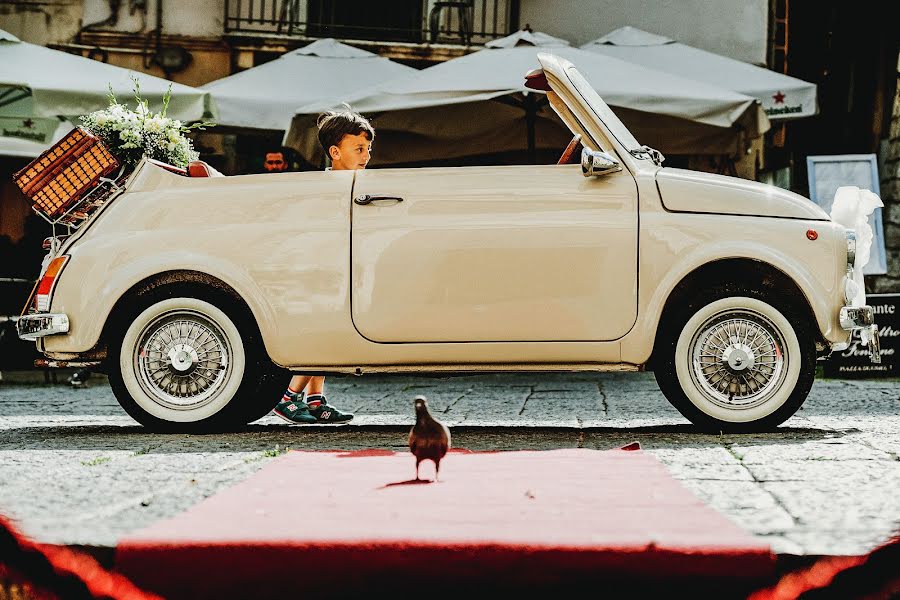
(595, 163)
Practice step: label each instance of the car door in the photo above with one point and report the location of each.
(534, 253)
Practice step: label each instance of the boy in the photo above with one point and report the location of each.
(346, 138)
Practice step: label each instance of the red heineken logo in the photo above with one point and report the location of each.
(784, 109)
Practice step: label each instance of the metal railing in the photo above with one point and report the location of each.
(419, 21)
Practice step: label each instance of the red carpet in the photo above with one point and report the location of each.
(318, 522)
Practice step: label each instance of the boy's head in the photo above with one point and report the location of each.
(346, 137)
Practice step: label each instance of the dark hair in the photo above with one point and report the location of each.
(334, 125)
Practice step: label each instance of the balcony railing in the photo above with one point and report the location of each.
(418, 21)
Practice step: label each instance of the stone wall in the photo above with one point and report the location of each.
(890, 195)
(41, 23)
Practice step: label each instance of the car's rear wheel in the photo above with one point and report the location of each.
(734, 360)
(192, 364)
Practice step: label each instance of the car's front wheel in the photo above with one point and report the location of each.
(734, 359)
(184, 364)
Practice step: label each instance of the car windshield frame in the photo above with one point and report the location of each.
(603, 112)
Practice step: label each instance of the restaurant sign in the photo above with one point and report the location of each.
(854, 361)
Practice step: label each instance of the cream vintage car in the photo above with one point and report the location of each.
(199, 296)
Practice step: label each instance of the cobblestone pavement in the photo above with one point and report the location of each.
(75, 469)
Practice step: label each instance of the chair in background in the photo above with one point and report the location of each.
(464, 10)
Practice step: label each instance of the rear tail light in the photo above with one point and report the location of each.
(48, 282)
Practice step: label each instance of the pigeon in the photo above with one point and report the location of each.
(429, 439)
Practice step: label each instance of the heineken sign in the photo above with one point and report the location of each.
(854, 361)
(27, 128)
(793, 103)
(785, 110)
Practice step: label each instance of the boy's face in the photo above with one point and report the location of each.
(353, 152)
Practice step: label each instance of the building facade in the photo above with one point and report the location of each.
(199, 41)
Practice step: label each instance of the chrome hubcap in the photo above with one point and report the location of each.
(183, 359)
(738, 359)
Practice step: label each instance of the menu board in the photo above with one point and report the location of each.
(854, 361)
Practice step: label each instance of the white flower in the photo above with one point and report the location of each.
(154, 125)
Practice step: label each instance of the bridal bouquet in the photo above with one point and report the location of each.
(130, 134)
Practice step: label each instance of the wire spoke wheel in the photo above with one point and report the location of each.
(738, 359)
(734, 359)
(183, 359)
(187, 358)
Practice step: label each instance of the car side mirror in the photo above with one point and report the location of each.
(595, 163)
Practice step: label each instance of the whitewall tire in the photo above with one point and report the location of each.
(182, 360)
(191, 360)
(736, 362)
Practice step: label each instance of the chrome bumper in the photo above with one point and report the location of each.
(862, 319)
(32, 327)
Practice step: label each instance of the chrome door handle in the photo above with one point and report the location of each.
(376, 198)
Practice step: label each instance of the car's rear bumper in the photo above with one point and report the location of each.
(33, 327)
(862, 319)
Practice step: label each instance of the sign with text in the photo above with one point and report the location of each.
(32, 129)
(854, 361)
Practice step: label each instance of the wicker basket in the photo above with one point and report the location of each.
(67, 171)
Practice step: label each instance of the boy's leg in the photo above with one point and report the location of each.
(315, 386)
(298, 382)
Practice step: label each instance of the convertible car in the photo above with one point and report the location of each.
(200, 295)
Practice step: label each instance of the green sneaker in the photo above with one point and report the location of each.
(294, 410)
(326, 413)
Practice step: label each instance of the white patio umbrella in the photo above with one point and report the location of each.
(267, 96)
(782, 96)
(43, 85)
(478, 105)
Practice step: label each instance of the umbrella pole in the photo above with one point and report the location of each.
(5, 96)
(530, 116)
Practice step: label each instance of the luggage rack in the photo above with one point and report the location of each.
(70, 180)
(103, 191)
(80, 211)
